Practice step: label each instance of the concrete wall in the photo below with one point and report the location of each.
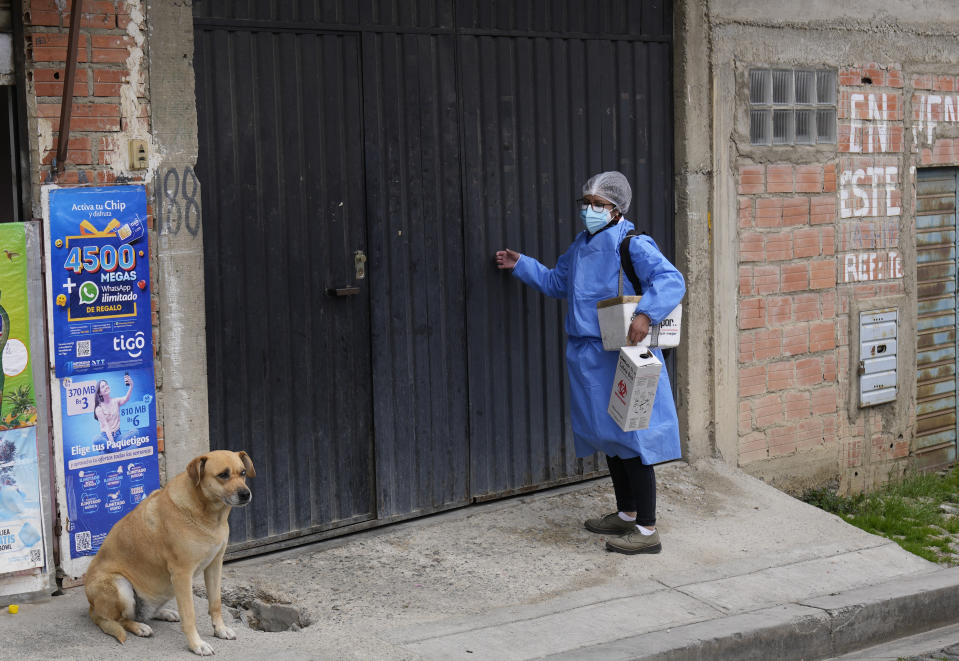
(797, 249)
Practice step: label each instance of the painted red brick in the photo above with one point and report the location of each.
(745, 212)
(894, 78)
(45, 18)
(822, 336)
(107, 82)
(876, 74)
(767, 411)
(766, 280)
(944, 84)
(752, 381)
(795, 340)
(809, 434)
(49, 82)
(822, 210)
(824, 400)
(779, 247)
(779, 179)
(751, 247)
(778, 309)
(782, 441)
(769, 212)
(780, 375)
(829, 300)
(767, 344)
(805, 307)
(822, 273)
(796, 404)
(848, 138)
(827, 241)
(829, 178)
(52, 47)
(795, 211)
(747, 285)
(88, 124)
(806, 243)
(795, 277)
(745, 418)
(922, 82)
(752, 313)
(850, 76)
(809, 178)
(809, 371)
(752, 179)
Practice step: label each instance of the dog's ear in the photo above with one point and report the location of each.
(247, 463)
(195, 470)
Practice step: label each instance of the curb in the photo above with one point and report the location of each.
(817, 628)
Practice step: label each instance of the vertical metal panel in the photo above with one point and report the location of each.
(541, 113)
(935, 442)
(415, 221)
(284, 207)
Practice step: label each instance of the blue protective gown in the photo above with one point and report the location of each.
(588, 272)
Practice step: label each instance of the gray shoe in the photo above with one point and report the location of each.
(610, 524)
(635, 542)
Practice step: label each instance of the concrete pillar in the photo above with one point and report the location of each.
(182, 379)
(694, 222)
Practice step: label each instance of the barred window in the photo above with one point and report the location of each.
(792, 107)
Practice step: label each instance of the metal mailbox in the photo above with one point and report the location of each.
(878, 331)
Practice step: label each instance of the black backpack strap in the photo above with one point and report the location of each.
(627, 263)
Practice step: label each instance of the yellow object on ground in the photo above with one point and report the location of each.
(13, 609)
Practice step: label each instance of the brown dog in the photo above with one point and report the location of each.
(152, 554)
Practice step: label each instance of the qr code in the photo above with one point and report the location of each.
(83, 541)
(83, 348)
(35, 555)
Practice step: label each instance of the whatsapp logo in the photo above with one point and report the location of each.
(89, 292)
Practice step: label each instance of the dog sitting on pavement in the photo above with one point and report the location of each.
(152, 554)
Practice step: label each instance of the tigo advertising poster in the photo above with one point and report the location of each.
(103, 355)
(99, 262)
(109, 449)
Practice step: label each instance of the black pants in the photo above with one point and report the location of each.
(635, 485)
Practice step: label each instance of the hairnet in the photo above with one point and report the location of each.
(612, 186)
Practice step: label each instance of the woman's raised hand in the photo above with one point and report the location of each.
(506, 259)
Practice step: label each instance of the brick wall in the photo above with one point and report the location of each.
(109, 103)
(787, 316)
(817, 238)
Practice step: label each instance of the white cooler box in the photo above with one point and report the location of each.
(634, 388)
(616, 314)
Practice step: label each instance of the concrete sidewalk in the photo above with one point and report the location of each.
(746, 572)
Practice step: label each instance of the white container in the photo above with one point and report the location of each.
(634, 388)
(616, 314)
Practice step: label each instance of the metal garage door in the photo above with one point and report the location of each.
(935, 443)
(422, 136)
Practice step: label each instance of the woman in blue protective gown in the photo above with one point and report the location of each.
(588, 272)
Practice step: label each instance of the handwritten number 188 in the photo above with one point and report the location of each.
(171, 215)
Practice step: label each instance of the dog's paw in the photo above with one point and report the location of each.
(202, 648)
(224, 632)
(140, 629)
(167, 615)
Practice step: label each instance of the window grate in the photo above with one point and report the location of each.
(792, 106)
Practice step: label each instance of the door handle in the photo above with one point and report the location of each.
(351, 290)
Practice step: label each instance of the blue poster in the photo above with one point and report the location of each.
(100, 279)
(109, 450)
(21, 526)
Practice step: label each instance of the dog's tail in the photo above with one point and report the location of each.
(111, 627)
